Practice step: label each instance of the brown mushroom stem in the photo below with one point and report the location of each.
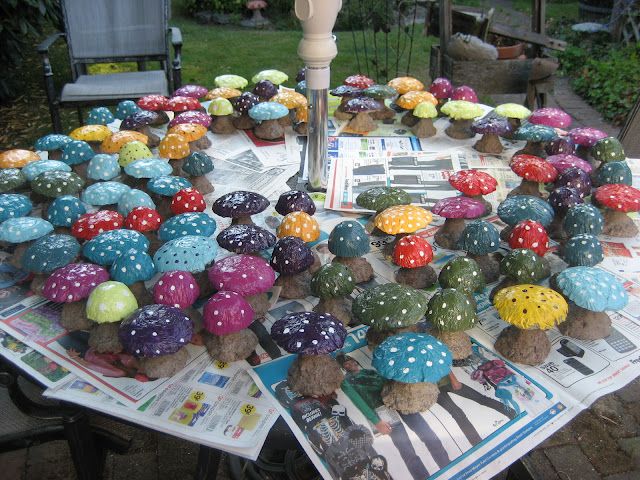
(376, 337)
(458, 342)
(489, 264)
(555, 229)
(385, 113)
(314, 375)
(201, 144)
(74, 316)
(154, 242)
(317, 263)
(618, 224)
(489, 143)
(269, 130)
(533, 148)
(139, 291)
(164, 365)
(103, 337)
(362, 123)
(527, 187)
(424, 128)
(231, 348)
(487, 205)
(96, 146)
(163, 205)
(37, 283)
(202, 279)
(222, 125)
(153, 140)
(584, 153)
(287, 121)
(295, 286)
(585, 324)
(339, 307)
(243, 122)
(242, 220)
(15, 260)
(409, 119)
(301, 127)
(176, 165)
(505, 232)
(408, 398)
(530, 347)
(133, 182)
(260, 305)
(201, 183)
(62, 230)
(515, 125)
(54, 154)
(360, 267)
(340, 114)
(161, 119)
(81, 169)
(460, 129)
(421, 277)
(449, 233)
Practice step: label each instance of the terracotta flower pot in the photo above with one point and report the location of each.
(510, 52)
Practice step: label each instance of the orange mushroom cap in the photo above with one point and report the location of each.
(222, 92)
(190, 131)
(91, 133)
(403, 85)
(174, 146)
(410, 100)
(114, 142)
(17, 158)
(302, 114)
(301, 225)
(402, 219)
(290, 99)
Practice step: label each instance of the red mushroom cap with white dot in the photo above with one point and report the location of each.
(188, 200)
(473, 182)
(622, 198)
(90, 225)
(530, 234)
(153, 103)
(412, 251)
(533, 169)
(143, 219)
(182, 104)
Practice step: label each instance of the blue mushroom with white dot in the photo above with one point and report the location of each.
(590, 292)
(14, 205)
(132, 199)
(148, 168)
(65, 210)
(517, 208)
(105, 247)
(480, 239)
(267, 114)
(191, 253)
(413, 364)
(167, 185)
(536, 137)
(21, 231)
(104, 193)
(584, 218)
(33, 169)
(349, 242)
(49, 253)
(100, 116)
(53, 144)
(191, 223)
(77, 152)
(196, 166)
(610, 172)
(126, 108)
(583, 249)
(133, 268)
(103, 167)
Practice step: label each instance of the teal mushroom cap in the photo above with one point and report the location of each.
(583, 249)
(103, 167)
(332, 280)
(532, 132)
(126, 108)
(105, 247)
(11, 179)
(389, 306)
(517, 208)
(104, 193)
(52, 141)
(450, 310)
(349, 239)
(33, 169)
(479, 237)
(198, 164)
(14, 205)
(167, 185)
(268, 111)
(65, 210)
(148, 168)
(583, 218)
(134, 198)
(76, 152)
(132, 266)
(50, 253)
(610, 172)
(190, 253)
(191, 223)
(592, 289)
(24, 229)
(100, 116)
(380, 198)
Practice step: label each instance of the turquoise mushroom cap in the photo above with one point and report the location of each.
(592, 289)
(517, 208)
(532, 132)
(33, 169)
(412, 358)
(100, 116)
(583, 249)
(132, 199)
(24, 229)
(167, 185)
(612, 172)
(148, 168)
(104, 248)
(191, 223)
(132, 266)
(190, 253)
(126, 108)
(14, 205)
(104, 193)
(50, 253)
(198, 164)
(11, 179)
(349, 239)
(268, 111)
(103, 167)
(76, 152)
(65, 210)
(53, 141)
(584, 218)
(479, 238)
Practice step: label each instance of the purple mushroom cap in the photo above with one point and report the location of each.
(191, 116)
(309, 333)
(295, 201)
(495, 124)
(194, 91)
(441, 88)
(139, 119)
(301, 75)
(291, 255)
(245, 238)
(575, 178)
(227, 312)
(551, 117)
(347, 91)
(586, 136)
(244, 274)
(239, 204)
(564, 161)
(458, 207)
(560, 145)
(244, 102)
(265, 89)
(73, 282)
(155, 330)
(362, 104)
(563, 198)
(176, 288)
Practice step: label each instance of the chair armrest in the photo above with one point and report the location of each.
(176, 36)
(44, 47)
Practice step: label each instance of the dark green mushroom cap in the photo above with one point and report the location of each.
(450, 310)
(613, 172)
(464, 274)
(608, 149)
(332, 280)
(54, 184)
(379, 198)
(389, 306)
(380, 92)
(11, 179)
(523, 266)
(198, 164)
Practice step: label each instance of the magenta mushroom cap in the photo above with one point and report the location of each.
(586, 136)
(176, 288)
(441, 88)
(564, 161)
(194, 91)
(73, 282)
(244, 274)
(191, 116)
(458, 207)
(464, 92)
(227, 312)
(551, 117)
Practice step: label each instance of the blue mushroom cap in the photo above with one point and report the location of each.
(100, 116)
(65, 210)
(23, 229)
(148, 168)
(192, 223)
(76, 152)
(104, 248)
(132, 266)
(14, 205)
(50, 253)
(583, 218)
(53, 141)
(197, 164)
(268, 111)
(592, 289)
(132, 199)
(33, 169)
(611, 172)
(517, 208)
(535, 133)
(167, 185)
(103, 167)
(412, 358)
(191, 253)
(126, 108)
(479, 238)
(583, 249)
(104, 193)
(349, 239)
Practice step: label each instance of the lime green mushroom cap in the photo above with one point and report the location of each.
(231, 81)
(219, 107)
(389, 306)
(513, 110)
(110, 302)
(425, 110)
(133, 151)
(464, 274)
(332, 280)
(461, 110)
(450, 310)
(274, 76)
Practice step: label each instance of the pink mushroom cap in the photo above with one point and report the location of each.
(244, 274)
(73, 282)
(191, 116)
(458, 207)
(551, 117)
(586, 136)
(256, 4)
(176, 288)
(227, 312)
(441, 88)
(194, 91)
(464, 92)
(564, 161)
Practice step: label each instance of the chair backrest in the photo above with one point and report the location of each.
(116, 29)
(630, 133)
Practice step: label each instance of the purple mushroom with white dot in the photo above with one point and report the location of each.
(584, 138)
(141, 122)
(491, 127)
(361, 107)
(249, 239)
(561, 199)
(564, 161)
(455, 210)
(292, 258)
(575, 178)
(242, 104)
(560, 145)
(239, 206)
(295, 201)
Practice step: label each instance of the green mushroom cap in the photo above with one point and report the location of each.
(389, 306)
(332, 280)
(523, 266)
(613, 172)
(110, 302)
(380, 198)
(425, 110)
(512, 110)
(608, 149)
(220, 107)
(11, 179)
(461, 110)
(274, 76)
(464, 274)
(132, 151)
(380, 92)
(450, 310)
(55, 184)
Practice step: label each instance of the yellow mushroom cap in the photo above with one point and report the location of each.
(290, 99)
(91, 133)
(301, 225)
(531, 306)
(190, 131)
(223, 92)
(410, 100)
(425, 110)
(461, 110)
(403, 219)
(403, 85)
(114, 143)
(17, 158)
(173, 146)
(512, 110)
(302, 114)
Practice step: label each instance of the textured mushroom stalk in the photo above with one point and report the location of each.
(423, 128)
(489, 143)
(294, 286)
(530, 347)
(409, 119)
(362, 123)
(458, 342)
(232, 347)
(222, 124)
(408, 398)
(314, 375)
(339, 307)
(460, 129)
(153, 140)
(385, 113)
(585, 324)
(243, 122)
(489, 264)
(269, 130)
(527, 187)
(360, 267)
(533, 148)
(422, 277)
(165, 365)
(74, 316)
(103, 338)
(618, 224)
(450, 232)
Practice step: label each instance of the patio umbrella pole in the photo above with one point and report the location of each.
(317, 48)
